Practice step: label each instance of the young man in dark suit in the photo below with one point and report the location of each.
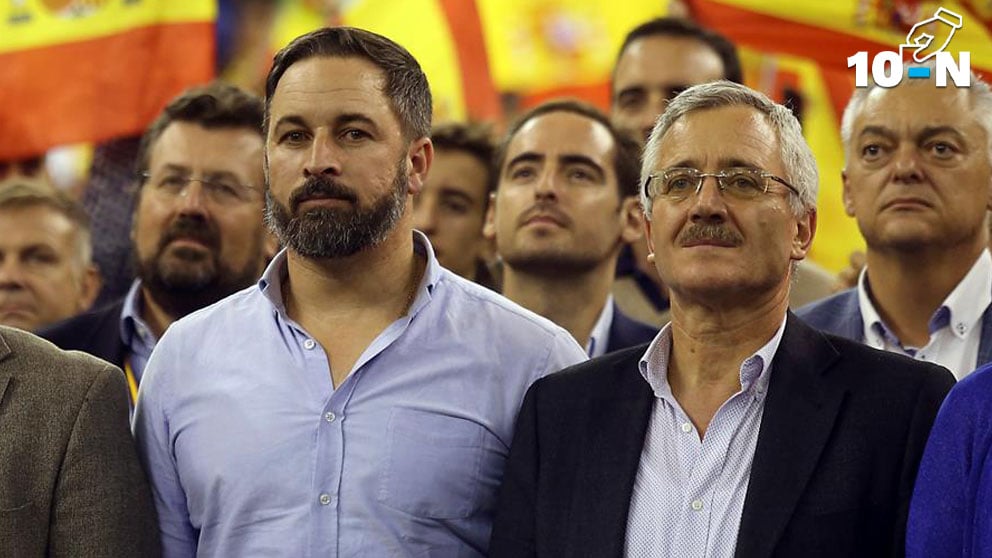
(740, 431)
(565, 205)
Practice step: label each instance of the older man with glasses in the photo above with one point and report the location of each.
(198, 231)
(740, 431)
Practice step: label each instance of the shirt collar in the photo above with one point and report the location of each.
(962, 309)
(600, 335)
(270, 284)
(134, 330)
(754, 372)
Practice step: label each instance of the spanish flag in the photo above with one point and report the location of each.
(89, 70)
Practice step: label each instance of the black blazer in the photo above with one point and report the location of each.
(627, 332)
(97, 332)
(841, 438)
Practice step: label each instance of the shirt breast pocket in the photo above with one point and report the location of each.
(433, 465)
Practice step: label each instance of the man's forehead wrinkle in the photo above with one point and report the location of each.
(754, 141)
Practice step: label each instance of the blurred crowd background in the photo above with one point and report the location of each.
(81, 79)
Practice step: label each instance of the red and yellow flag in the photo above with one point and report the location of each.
(88, 70)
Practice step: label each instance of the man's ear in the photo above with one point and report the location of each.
(489, 228)
(631, 219)
(647, 234)
(805, 230)
(420, 155)
(848, 200)
(89, 288)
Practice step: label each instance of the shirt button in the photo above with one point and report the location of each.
(686, 427)
(697, 505)
(309, 344)
(962, 328)
(325, 499)
(329, 416)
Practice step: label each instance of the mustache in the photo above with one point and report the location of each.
(196, 229)
(319, 187)
(545, 210)
(717, 233)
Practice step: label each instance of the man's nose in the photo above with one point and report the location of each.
(11, 274)
(193, 199)
(547, 185)
(906, 165)
(324, 158)
(708, 204)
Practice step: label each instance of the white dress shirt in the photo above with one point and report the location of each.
(689, 492)
(955, 328)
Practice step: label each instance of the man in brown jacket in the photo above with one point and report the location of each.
(70, 480)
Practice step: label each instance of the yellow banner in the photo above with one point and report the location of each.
(28, 24)
(542, 44)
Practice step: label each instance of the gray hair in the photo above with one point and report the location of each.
(800, 166)
(981, 101)
(20, 194)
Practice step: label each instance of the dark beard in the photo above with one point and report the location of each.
(324, 232)
(195, 282)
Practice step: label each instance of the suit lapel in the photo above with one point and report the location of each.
(985, 344)
(615, 455)
(855, 325)
(5, 373)
(798, 418)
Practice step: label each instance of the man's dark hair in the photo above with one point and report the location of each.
(683, 28)
(216, 105)
(472, 138)
(406, 85)
(626, 163)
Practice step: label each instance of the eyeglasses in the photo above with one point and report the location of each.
(742, 183)
(219, 191)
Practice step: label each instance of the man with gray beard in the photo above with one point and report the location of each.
(360, 401)
(198, 232)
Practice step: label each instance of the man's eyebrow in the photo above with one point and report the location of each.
(217, 174)
(878, 131)
(526, 157)
(734, 162)
(629, 90)
(453, 193)
(575, 159)
(173, 167)
(351, 117)
(931, 131)
(292, 119)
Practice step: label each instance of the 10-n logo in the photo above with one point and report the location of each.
(887, 66)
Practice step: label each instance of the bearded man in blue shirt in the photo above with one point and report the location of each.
(359, 401)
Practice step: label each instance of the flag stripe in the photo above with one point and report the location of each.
(98, 89)
(481, 98)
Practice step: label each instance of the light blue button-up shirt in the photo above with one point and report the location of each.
(137, 336)
(252, 452)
